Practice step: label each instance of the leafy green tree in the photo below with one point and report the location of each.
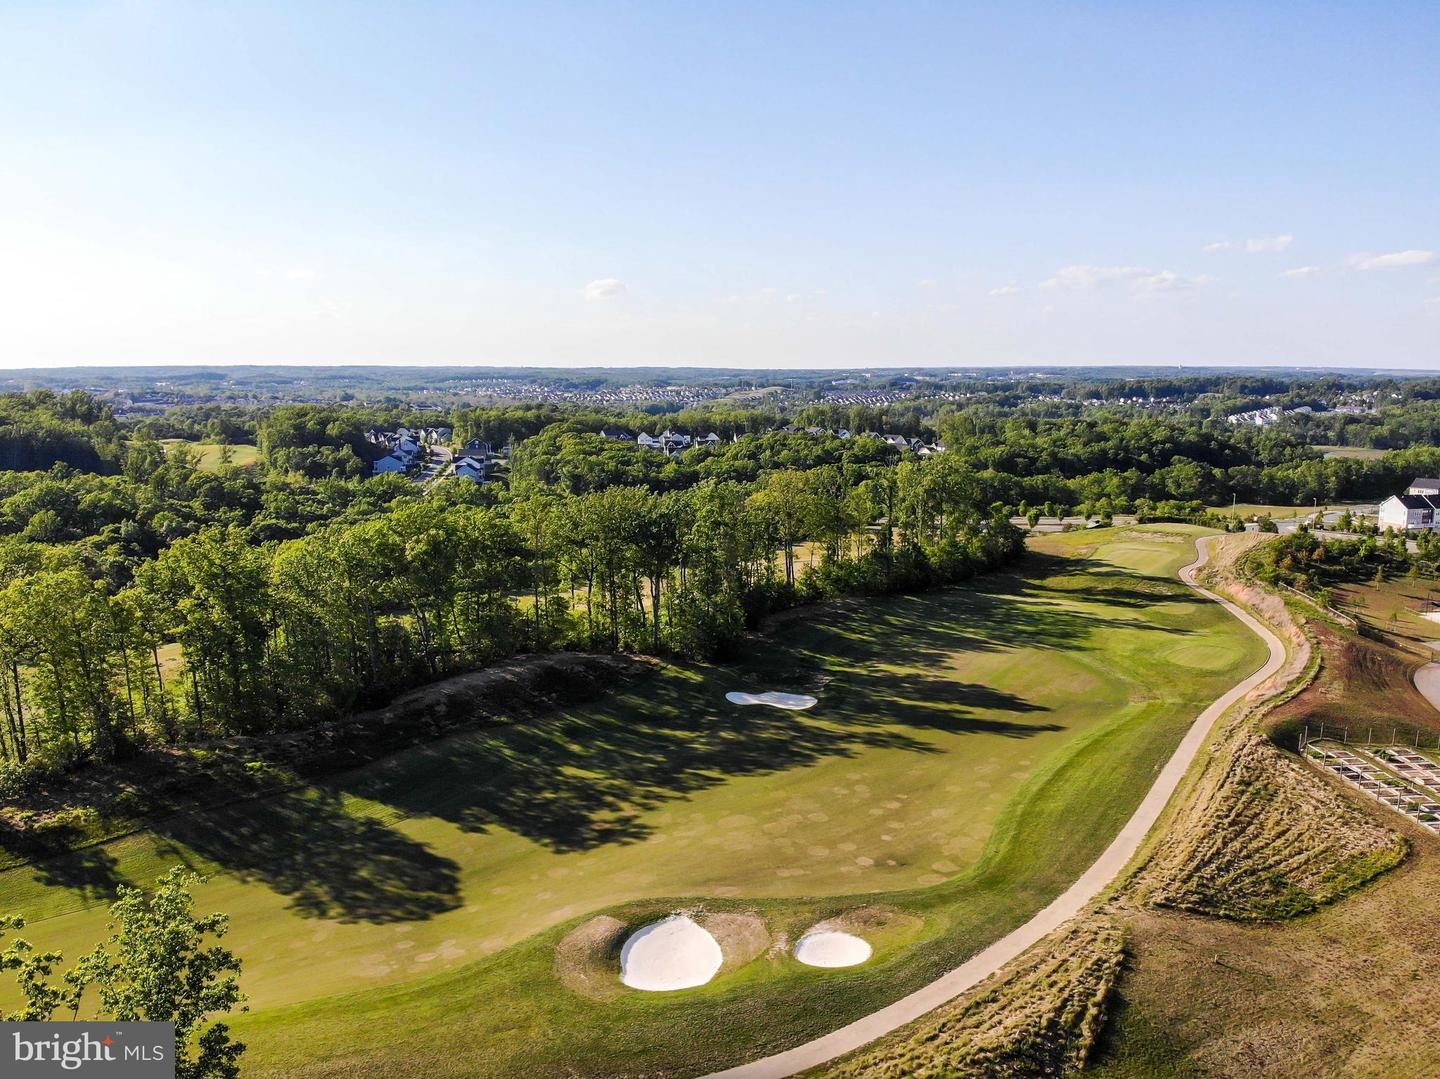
(157, 965)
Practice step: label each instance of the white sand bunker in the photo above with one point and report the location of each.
(673, 953)
(831, 948)
(793, 701)
(1433, 616)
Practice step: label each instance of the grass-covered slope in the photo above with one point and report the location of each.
(972, 751)
(1041, 1017)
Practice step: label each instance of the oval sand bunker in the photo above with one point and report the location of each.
(793, 701)
(831, 948)
(673, 953)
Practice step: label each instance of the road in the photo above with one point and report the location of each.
(1092, 882)
(1290, 524)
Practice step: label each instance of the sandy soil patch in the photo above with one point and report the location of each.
(792, 701)
(585, 958)
(673, 953)
(742, 937)
(831, 948)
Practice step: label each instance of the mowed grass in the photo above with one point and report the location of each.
(208, 454)
(1280, 513)
(1363, 453)
(972, 751)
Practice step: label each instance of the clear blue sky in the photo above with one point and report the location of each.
(725, 184)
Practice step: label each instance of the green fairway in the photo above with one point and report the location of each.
(972, 751)
(208, 454)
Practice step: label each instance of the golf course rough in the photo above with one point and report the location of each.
(977, 748)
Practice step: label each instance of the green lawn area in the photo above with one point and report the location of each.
(208, 453)
(1364, 453)
(1280, 513)
(973, 750)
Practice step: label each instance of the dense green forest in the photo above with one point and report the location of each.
(163, 604)
(147, 601)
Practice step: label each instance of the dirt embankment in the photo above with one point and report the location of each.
(104, 801)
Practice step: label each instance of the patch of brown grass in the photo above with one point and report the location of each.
(587, 959)
(1041, 1016)
(1265, 837)
(1362, 683)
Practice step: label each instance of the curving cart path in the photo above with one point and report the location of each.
(1074, 900)
(1427, 681)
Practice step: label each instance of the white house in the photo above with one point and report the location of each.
(650, 442)
(1411, 512)
(393, 463)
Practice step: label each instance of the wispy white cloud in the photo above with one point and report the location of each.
(1167, 281)
(1264, 244)
(1082, 276)
(1394, 260)
(1254, 246)
(1140, 280)
(603, 288)
(925, 282)
(1301, 271)
(1005, 290)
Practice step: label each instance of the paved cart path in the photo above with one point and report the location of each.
(1094, 880)
(1427, 681)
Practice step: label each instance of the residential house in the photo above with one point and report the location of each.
(1410, 513)
(471, 469)
(393, 463)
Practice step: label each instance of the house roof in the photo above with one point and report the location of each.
(1418, 502)
(1425, 481)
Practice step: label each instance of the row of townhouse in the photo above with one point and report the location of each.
(666, 442)
(1264, 417)
(671, 442)
(420, 436)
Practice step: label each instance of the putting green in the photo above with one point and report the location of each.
(970, 750)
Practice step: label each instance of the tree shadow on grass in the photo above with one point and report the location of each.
(299, 841)
(331, 864)
(586, 778)
(91, 872)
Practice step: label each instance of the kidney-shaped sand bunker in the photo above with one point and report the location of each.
(831, 948)
(673, 953)
(792, 701)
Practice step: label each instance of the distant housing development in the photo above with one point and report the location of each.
(417, 450)
(1264, 417)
